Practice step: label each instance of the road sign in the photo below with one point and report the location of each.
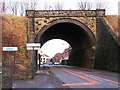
(33, 46)
(10, 48)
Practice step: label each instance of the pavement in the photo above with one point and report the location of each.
(43, 79)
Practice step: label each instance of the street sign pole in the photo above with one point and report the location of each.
(14, 63)
(7, 68)
(5, 56)
(11, 49)
(33, 47)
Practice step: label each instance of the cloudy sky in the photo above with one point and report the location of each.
(111, 5)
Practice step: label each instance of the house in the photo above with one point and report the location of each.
(59, 57)
(44, 58)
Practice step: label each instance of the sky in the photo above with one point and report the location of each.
(112, 5)
(54, 46)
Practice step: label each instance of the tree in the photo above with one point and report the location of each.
(0, 7)
(3, 7)
(84, 5)
(33, 4)
(101, 5)
(46, 6)
(50, 7)
(14, 7)
(58, 6)
(89, 5)
(23, 7)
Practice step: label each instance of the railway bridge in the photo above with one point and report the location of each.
(91, 39)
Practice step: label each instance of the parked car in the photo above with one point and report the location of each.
(56, 63)
(50, 63)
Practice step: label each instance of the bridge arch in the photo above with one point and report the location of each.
(73, 31)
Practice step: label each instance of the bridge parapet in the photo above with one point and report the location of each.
(65, 13)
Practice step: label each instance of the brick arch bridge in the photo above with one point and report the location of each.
(63, 28)
(76, 33)
(85, 30)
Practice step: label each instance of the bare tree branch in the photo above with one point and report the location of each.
(33, 4)
(4, 7)
(89, 5)
(82, 5)
(14, 7)
(50, 7)
(46, 6)
(26, 5)
(101, 5)
(22, 8)
(0, 7)
(58, 6)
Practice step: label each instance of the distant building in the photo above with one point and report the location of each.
(62, 56)
(44, 58)
(57, 57)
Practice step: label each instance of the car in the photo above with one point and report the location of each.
(50, 63)
(56, 63)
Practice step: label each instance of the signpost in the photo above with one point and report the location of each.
(11, 49)
(7, 68)
(32, 47)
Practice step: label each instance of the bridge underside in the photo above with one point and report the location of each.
(78, 35)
